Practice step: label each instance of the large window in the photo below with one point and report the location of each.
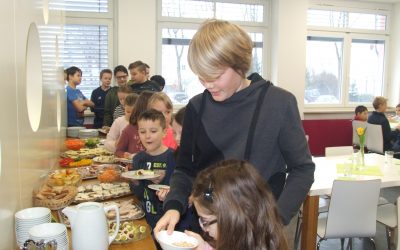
(178, 22)
(345, 57)
(84, 41)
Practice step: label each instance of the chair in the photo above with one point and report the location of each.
(351, 212)
(341, 150)
(374, 138)
(357, 124)
(388, 216)
(323, 200)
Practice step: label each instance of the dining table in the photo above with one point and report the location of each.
(328, 169)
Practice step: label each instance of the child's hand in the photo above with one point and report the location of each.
(106, 128)
(162, 194)
(202, 243)
(128, 155)
(160, 178)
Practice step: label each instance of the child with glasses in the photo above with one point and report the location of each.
(112, 101)
(236, 209)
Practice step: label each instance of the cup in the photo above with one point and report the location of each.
(389, 158)
(348, 167)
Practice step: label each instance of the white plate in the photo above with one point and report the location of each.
(134, 176)
(123, 160)
(103, 159)
(158, 187)
(103, 131)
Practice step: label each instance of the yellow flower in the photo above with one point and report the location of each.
(360, 131)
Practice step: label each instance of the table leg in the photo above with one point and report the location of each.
(310, 222)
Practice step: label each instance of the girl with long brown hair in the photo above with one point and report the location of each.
(236, 209)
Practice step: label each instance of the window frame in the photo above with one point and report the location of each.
(92, 15)
(194, 23)
(99, 19)
(348, 35)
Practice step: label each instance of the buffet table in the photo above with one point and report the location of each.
(326, 171)
(146, 243)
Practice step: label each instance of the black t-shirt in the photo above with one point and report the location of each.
(147, 85)
(152, 205)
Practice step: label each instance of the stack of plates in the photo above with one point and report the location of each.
(74, 131)
(27, 218)
(88, 133)
(51, 231)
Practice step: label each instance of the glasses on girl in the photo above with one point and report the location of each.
(206, 224)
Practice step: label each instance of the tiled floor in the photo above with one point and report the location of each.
(390, 194)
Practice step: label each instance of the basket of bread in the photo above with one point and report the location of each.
(58, 189)
(54, 197)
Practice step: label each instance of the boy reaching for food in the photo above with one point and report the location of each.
(157, 159)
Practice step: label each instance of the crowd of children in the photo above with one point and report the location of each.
(208, 192)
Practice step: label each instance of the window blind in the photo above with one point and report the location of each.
(96, 6)
(83, 46)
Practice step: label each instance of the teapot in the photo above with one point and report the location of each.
(89, 225)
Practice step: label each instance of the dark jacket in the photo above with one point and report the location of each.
(110, 104)
(379, 118)
(147, 85)
(279, 144)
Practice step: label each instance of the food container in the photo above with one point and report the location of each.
(108, 173)
(88, 133)
(64, 177)
(74, 131)
(54, 197)
(74, 144)
(129, 231)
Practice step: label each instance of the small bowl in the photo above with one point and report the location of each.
(74, 144)
(166, 241)
(47, 230)
(74, 131)
(104, 178)
(32, 213)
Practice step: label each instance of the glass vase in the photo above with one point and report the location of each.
(361, 162)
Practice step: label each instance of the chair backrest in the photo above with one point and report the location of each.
(374, 138)
(398, 223)
(353, 208)
(341, 150)
(357, 124)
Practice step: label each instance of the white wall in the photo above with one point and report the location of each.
(24, 154)
(137, 29)
(288, 46)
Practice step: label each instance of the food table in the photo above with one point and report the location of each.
(144, 243)
(326, 171)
